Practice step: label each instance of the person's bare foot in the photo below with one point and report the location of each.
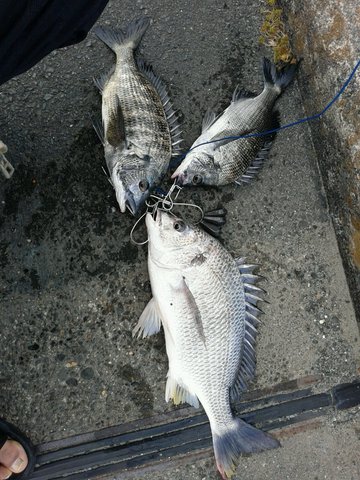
(13, 459)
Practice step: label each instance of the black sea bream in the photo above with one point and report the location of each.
(228, 160)
(139, 128)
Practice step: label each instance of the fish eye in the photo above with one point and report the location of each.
(197, 179)
(179, 226)
(143, 185)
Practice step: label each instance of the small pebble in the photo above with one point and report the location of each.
(87, 373)
(71, 364)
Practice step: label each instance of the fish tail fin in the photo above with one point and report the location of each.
(236, 438)
(279, 79)
(130, 38)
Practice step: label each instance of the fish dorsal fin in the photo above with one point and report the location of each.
(171, 116)
(115, 128)
(149, 322)
(262, 155)
(253, 295)
(179, 394)
(255, 165)
(213, 221)
(240, 95)
(208, 120)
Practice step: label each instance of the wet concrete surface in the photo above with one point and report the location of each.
(73, 285)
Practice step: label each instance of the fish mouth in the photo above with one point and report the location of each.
(121, 195)
(125, 197)
(179, 178)
(131, 205)
(153, 221)
(157, 214)
(154, 217)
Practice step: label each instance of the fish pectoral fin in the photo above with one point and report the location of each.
(225, 137)
(179, 394)
(149, 322)
(144, 158)
(193, 308)
(115, 127)
(99, 129)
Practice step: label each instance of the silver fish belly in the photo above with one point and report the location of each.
(225, 160)
(140, 128)
(206, 304)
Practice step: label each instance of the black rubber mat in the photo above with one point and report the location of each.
(119, 450)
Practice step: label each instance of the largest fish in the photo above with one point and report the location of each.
(206, 303)
(216, 158)
(140, 129)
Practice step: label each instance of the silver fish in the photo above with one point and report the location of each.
(139, 128)
(206, 303)
(228, 160)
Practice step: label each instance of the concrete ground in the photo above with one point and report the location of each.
(73, 286)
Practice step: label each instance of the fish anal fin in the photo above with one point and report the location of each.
(149, 322)
(179, 394)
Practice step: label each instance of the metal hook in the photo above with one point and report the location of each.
(165, 203)
(133, 229)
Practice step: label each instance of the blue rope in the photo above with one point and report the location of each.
(292, 124)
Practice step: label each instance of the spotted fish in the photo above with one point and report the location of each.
(139, 129)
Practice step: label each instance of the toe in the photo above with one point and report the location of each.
(4, 473)
(13, 457)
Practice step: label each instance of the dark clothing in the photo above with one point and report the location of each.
(31, 29)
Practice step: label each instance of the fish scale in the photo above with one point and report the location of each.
(201, 298)
(144, 117)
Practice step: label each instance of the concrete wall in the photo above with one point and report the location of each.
(325, 33)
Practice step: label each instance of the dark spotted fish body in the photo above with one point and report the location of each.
(140, 128)
(206, 302)
(225, 160)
